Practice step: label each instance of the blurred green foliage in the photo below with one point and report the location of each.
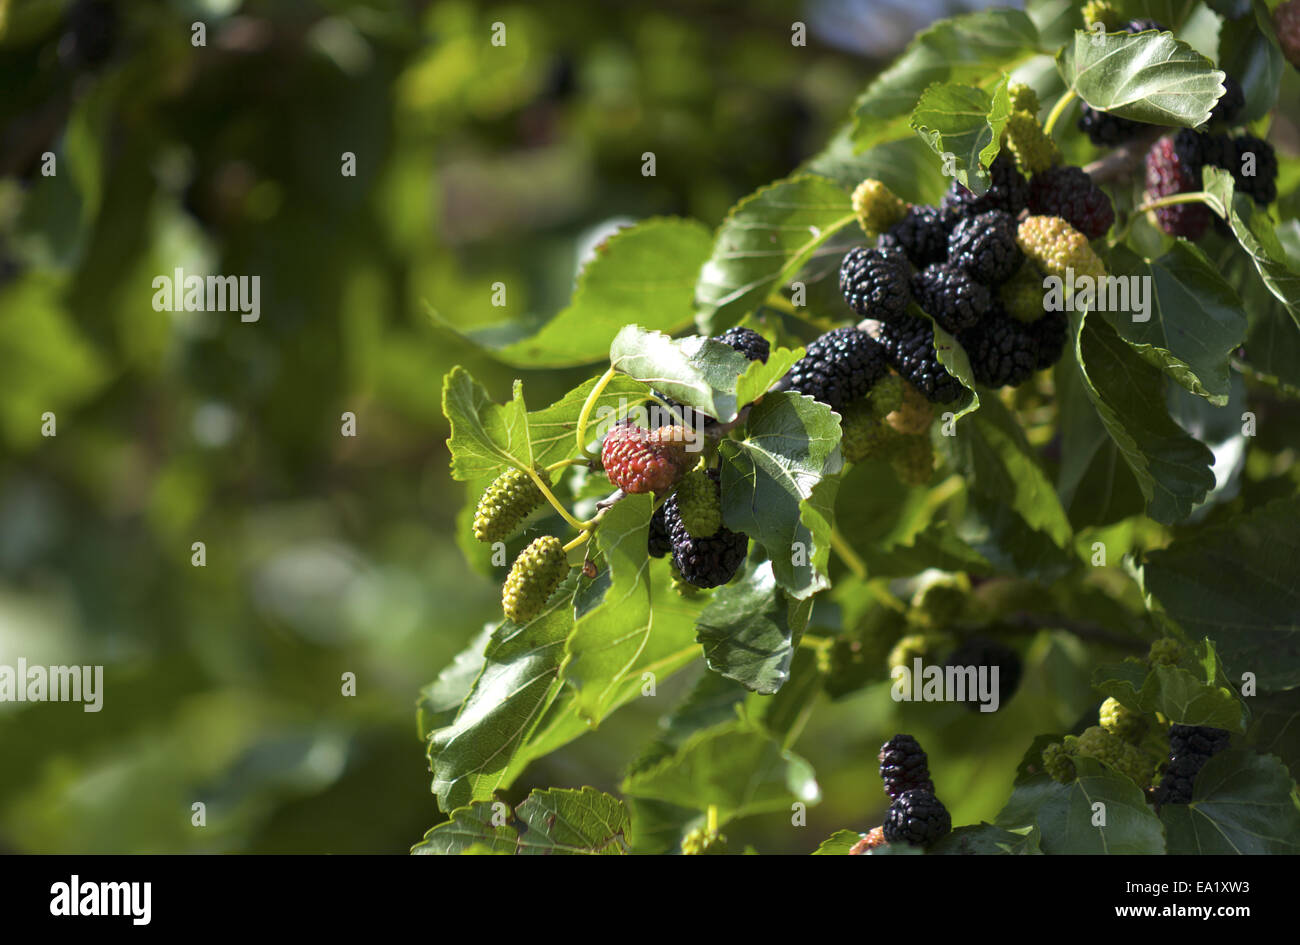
(325, 555)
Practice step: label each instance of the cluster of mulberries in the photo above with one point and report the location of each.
(977, 271)
(915, 816)
(1174, 165)
(689, 527)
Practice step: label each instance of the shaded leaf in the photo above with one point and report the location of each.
(694, 371)
(1242, 803)
(547, 823)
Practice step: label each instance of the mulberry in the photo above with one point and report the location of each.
(985, 247)
(1190, 747)
(1002, 350)
(1069, 193)
(916, 817)
(904, 766)
(1114, 752)
(877, 207)
(534, 576)
(1034, 150)
(913, 414)
(863, 433)
(875, 282)
(839, 367)
(913, 460)
(1008, 191)
(982, 652)
(698, 504)
(1257, 156)
(510, 499)
(1058, 248)
(950, 296)
(638, 460)
(704, 562)
(909, 347)
(1166, 175)
(922, 235)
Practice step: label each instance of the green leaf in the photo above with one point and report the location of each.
(1254, 230)
(750, 629)
(440, 700)
(552, 429)
(904, 166)
(1242, 803)
(1094, 483)
(1149, 77)
(615, 619)
(838, 844)
(1248, 52)
(982, 839)
(779, 484)
(484, 436)
(955, 361)
(475, 754)
(548, 822)
(695, 371)
(991, 451)
(737, 767)
(963, 49)
(1194, 323)
(1172, 469)
(1272, 351)
(1066, 818)
(1275, 729)
(763, 243)
(760, 376)
(964, 121)
(643, 274)
(1195, 692)
(1236, 584)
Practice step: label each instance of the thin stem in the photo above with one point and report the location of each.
(778, 301)
(580, 540)
(550, 497)
(1058, 110)
(588, 407)
(575, 461)
(711, 819)
(1195, 196)
(883, 596)
(850, 557)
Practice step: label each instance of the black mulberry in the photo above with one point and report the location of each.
(1069, 193)
(1002, 350)
(985, 246)
(704, 562)
(951, 296)
(909, 346)
(918, 818)
(1190, 747)
(839, 367)
(922, 235)
(904, 766)
(1261, 184)
(1008, 191)
(874, 282)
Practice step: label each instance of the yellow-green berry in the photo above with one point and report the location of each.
(928, 647)
(1059, 249)
(1033, 149)
(887, 395)
(1057, 763)
(1115, 753)
(534, 576)
(1103, 12)
(1023, 294)
(699, 504)
(701, 842)
(1023, 98)
(877, 207)
(1121, 721)
(510, 499)
(1165, 652)
(864, 434)
(942, 601)
(913, 460)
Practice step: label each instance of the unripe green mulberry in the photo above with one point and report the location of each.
(1121, 721)
(1023, 98)
(913, 460)
(1058, 249)
(887, 395)
(701, 842)
(1103, 12)
(535, 575)
(699, 504)
(505, 503)
(877, 207)
(1165, 652)
(1022, 295)
(1116, 753)
(1057, 763)
(929, 647)
(942, 601)
(1033, 149)
(864, 434)
(914, 413)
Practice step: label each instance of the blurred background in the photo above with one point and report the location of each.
(325, 554)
